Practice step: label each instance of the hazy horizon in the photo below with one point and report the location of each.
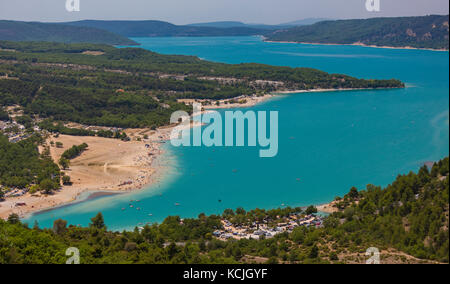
(199, 11)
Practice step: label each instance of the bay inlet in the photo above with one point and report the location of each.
(328, 141)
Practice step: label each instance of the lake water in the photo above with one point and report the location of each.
(328, 142)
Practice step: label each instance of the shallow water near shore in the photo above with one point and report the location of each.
(328, 142)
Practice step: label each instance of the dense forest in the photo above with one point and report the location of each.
(22, 166)
(419, 32)
(410, 216)
(133, 87)
(4, 115)
(137, 61)
(34, 31)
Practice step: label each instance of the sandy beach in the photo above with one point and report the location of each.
(109, 165)
(239, 102)
(249, 102)
(327, 208)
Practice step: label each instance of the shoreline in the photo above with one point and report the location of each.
(147, 174)
(89, 195)
(134, 169)
(250, 102)
(333, 90)
(93, 193)
(360, 44)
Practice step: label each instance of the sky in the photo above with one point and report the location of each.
(195, 11)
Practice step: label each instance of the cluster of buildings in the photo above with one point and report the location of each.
(257, 230)
(14, 192)
(94, 128)
(14, 131)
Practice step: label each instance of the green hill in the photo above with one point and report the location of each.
(33, 31)
(85, 91)
(419, 32)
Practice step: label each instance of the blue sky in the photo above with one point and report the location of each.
(192, 11)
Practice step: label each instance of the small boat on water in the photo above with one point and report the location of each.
(177, 204)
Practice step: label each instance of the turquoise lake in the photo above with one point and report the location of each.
(330, 141)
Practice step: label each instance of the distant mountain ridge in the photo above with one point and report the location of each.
(117, 32)
(305, 22)
(152, 28)
(220, 24)
(55, 32)
(417, 32)
(159, 28)
(230, 24)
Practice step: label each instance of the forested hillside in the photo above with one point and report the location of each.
(418, 32)
(133, 87)
(33, 31)
(407, 221)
